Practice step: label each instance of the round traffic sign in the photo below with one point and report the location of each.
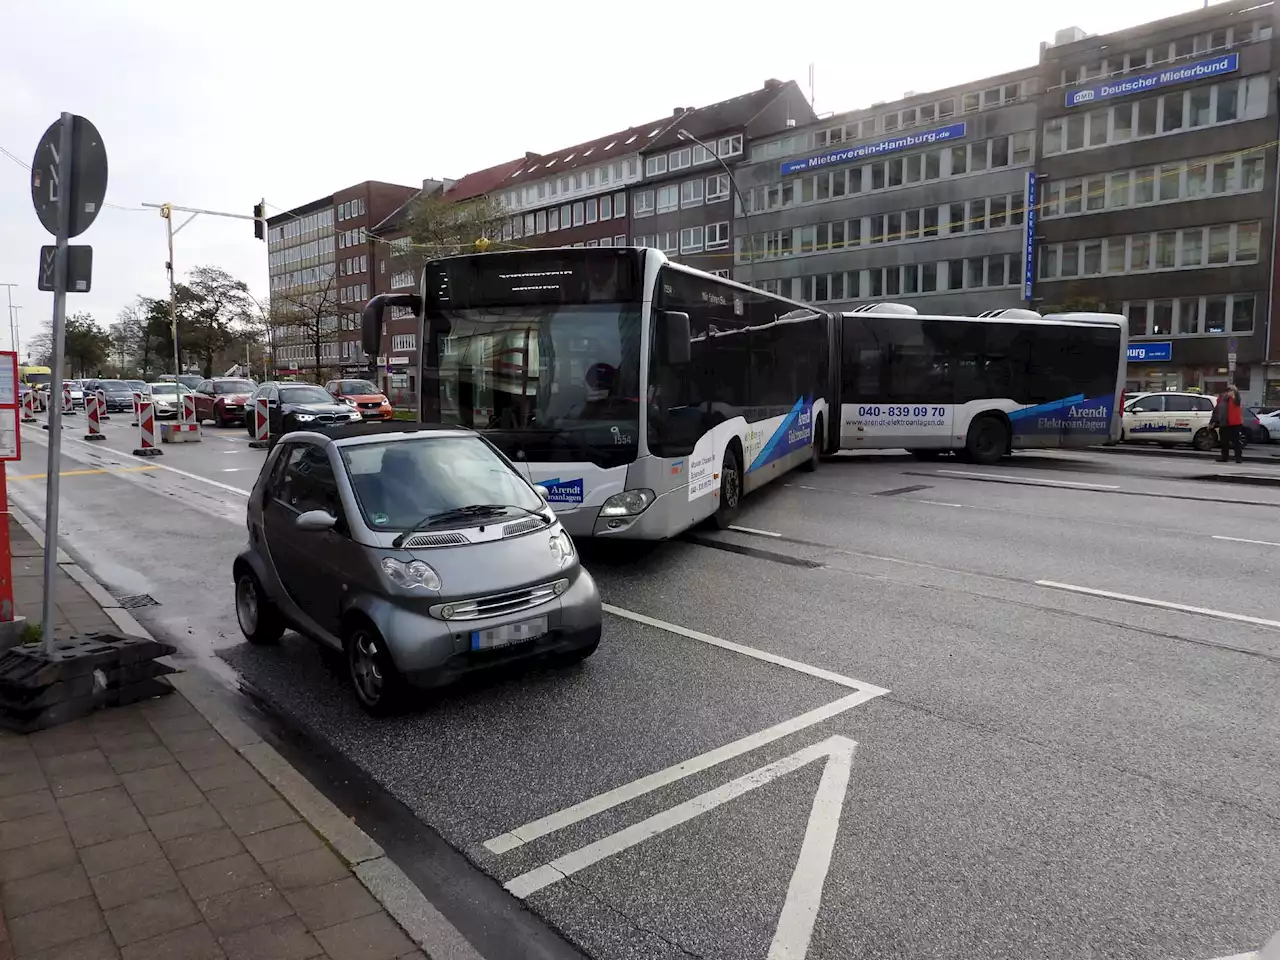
(88, 181)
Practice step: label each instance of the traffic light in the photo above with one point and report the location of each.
(259, 221)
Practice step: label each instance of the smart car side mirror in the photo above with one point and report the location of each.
(542, 491)
(316, 521)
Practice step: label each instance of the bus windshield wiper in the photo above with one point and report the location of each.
(473, 511)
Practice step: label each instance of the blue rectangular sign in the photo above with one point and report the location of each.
(892, 145)
(1029, 239)
(1150, 352)
(1183, 73)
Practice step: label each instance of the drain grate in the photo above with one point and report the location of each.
(138, 600)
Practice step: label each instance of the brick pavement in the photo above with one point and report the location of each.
(139, 833)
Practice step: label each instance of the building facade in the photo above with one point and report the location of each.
(684, 205)
(321, 260)
(1158, 191)
(921, 201)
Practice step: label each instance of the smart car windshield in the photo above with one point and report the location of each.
(359, 388)
(399, 483)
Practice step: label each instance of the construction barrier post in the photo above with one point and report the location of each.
(184, 429)
(137, 398)
(68, 407)
(29, 407)
(261, 425)
(93, 406)
(102, 405)
(147, 430)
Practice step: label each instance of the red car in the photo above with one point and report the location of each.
(364, 396)
(223, 400)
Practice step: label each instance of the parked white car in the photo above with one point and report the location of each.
(1169, 418)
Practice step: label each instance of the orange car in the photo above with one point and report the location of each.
(364, 396)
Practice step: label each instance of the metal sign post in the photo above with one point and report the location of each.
(68, 185)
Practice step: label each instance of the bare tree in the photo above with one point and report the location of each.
(440, 227)
(307, 315)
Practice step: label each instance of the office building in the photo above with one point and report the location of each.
(1158, 191)
(320, 267)
(920, 201)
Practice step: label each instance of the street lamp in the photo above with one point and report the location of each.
(683, 134)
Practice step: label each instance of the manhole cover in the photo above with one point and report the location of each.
(139, 600)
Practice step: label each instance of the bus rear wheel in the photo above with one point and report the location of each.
(730, 491)
(987, 441)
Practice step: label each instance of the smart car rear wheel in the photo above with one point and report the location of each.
(374, 677)
(259, 620)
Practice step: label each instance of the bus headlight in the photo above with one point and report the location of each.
(627, 504)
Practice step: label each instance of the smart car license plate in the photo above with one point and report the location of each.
(505, 636)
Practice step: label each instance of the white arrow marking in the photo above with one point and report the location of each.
(804, 894)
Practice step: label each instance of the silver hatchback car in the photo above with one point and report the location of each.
(419, 551)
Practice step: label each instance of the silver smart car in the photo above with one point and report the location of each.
(419, 551)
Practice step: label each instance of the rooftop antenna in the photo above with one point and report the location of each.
(811, 75)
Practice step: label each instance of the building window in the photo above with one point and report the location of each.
(403, 342)
(620, 204)
(655, 166)
(642, 203)
(717, 188)
(606, 208)
(679, 159)
(592, 211)
(691, 239)
(668, 198)
(1224, 245)
(729, 146)
(620, 240)
(717, 236)
(553, 219)
(579, 214)
(691, 193)
(404, 278)
(540, 222)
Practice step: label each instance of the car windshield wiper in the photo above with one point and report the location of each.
(472, 511)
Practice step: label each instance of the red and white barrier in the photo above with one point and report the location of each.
(147, 430)
(68, 408)
(94, 404)
(137, 399)
(261, 425)
(184, 429)
(29, 407)
(102, 405)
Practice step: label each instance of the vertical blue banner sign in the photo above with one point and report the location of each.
(1029, 239)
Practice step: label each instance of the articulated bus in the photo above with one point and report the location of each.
(646, 397)
(979, 386)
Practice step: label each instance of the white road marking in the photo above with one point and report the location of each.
(232, 469)
(940, 503)
(182, 473)
(760, 533)
(746, 651)
(647, 784)
(1037, 481)
(1162, 604)
(804, 894)
(1263, 543)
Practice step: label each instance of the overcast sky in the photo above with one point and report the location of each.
(218, 106)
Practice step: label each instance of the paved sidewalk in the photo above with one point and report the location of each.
(140, 833)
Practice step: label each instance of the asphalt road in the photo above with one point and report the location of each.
(906, 710)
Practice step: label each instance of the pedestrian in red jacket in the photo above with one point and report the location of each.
(1228, 416)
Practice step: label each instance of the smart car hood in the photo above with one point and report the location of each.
(492, 566)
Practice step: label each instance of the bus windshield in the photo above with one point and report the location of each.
(540, 350)
(555, 383)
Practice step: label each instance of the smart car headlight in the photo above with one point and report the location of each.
(413, 575)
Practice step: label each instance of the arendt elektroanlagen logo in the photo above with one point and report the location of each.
(1184, 73)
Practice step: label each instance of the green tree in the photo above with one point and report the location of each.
(216, 307)
(86, 346)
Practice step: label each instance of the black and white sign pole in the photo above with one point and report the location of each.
(68, 184)
(59, 189)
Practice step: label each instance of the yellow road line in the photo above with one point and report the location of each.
(83, 473)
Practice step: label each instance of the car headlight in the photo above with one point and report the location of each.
(355, 414)
(411, 575)
(561, 549)
(627, 504)
(304, 417)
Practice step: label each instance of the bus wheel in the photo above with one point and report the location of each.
(988, 440)
(815, 449)
(730, 491)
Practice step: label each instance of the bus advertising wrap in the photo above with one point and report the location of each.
(1183, 73)
(1075, 416)
(891, 145)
